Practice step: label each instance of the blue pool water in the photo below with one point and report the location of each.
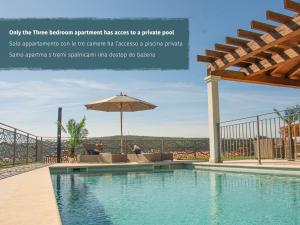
(178, 197)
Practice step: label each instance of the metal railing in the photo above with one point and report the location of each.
(112, 144)
(18, 146)
(266, 136)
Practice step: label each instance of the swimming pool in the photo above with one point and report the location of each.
(177, 197)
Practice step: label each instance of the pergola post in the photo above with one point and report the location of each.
(213, 118)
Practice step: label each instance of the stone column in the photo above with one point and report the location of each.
(213, 118)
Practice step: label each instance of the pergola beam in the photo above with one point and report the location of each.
(262, 79)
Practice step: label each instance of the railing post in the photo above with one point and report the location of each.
(27, 148)
(14, 146)
(36, 149)
(291, 143)
(125, 144)
(58, 150)
(41, 150)
(258, 140)
(162, 145)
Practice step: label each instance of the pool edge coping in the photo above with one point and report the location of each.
(31, 194)
(237, 168)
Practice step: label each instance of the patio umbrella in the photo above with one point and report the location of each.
(120, 103)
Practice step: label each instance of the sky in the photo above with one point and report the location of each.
(29, 99)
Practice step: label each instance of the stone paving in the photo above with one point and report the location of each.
(12, 171)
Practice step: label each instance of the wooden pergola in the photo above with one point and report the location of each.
(270, 55)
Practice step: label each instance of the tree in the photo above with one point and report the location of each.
(76, 131)
(290, 116)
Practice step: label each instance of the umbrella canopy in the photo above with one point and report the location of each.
(120, 103)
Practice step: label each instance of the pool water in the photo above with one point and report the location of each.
(178, 197)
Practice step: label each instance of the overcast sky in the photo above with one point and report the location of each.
(29, 99)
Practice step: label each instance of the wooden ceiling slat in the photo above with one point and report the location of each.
(278, 17)
(262, 79)
(248, 34)
(256, 25)
(292, 5)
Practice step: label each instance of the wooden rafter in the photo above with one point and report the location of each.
(225, 48)
(203, 58)
(292, 5)
(278, 17)
(256, 25)
(215, 54)
(248, 34)
(236, 41)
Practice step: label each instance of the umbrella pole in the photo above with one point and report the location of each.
(121, 115)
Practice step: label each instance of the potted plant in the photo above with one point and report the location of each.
(77, 133)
